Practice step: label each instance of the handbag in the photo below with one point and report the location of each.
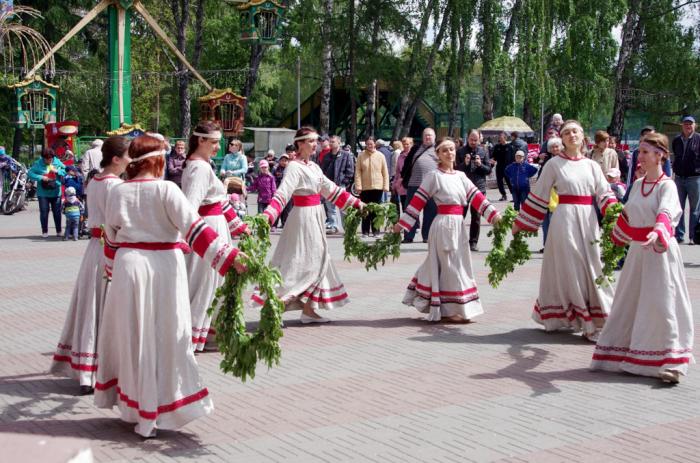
(48, 184)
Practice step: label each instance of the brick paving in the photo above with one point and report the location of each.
(378, 384)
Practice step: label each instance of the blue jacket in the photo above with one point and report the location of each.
(236, 163)
(39, 169)
(519, 174)
(75, 182)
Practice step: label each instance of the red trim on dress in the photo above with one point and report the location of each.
(527, 209)
(99, 179)
(228, 262)
(139, 180)
(575, 199)
(210, 210)
(75, 366)
(306, 200)
(646, 363)
(635, 233)
(96, 232)
(150, 246)
(450, 209)
(203, 240)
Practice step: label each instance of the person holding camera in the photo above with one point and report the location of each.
(474, 161)
(48, 173)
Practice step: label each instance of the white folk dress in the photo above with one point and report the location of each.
(207, 194)
(147, 366)
(444, 285)
(568, 295)
(76, 354)
(302, 255)
(650, 327)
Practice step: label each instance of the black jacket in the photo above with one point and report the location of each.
(503, 155)
(465, 163)
(686, 163)
(342, 171)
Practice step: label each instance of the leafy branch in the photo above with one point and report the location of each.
(385, 216)
(611, 254)
(502, 260)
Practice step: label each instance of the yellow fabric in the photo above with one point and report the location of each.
(371, 172)
(553, 200)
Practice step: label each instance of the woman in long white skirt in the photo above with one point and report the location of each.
(309, 279)
(207, 194)
(147, 366)
(650, 328)
(444, 285)
(76, 354)
(569, 297)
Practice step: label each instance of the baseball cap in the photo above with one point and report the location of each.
(70, 191)
(614, 172)
(688, 119)
(284, 155)
(263, 163)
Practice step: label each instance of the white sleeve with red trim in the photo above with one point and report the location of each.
(110, 249)
(284, 193)
(199, 236)
(534, 209)
(668, 215)
(620, 235)
(235, 225)
(603, 193)
(477, 200)
(337, 195)
(425, 191)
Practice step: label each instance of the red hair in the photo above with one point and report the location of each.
(153, 165)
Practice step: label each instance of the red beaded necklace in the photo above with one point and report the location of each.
(653, 184)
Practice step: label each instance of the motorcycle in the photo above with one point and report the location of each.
(14, 193)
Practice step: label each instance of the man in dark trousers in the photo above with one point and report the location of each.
(419, 162)
(502, 158)
(474, 161)
(686, 166)
(339, 166)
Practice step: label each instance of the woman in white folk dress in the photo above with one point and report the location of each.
(568, 296)
(310, 280)
(650, 328)
(207, 194)
(76, 354)
(444, 286)
(146, 365)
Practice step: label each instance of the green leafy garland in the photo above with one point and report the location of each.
(241, 351)
(386, 216)
(501, 260)
(610, 253)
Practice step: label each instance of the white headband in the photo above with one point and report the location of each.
(149, 155)
(567, 125)
(214, 135)
(308, 136)
(437, 148)
(652, 148)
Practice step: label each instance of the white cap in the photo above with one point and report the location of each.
(614, 172)
(70, 191)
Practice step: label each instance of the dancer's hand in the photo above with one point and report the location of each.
(652, 238)
(238, 264)
(397, 228)
(361, 205)
(516, 229)
(496, 219)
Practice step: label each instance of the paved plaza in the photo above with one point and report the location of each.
(377, 384)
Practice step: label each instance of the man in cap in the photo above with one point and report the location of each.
(686, 166)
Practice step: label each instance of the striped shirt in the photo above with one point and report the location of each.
(427, 162)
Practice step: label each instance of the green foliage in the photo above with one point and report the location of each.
(502, 260)
(385, 216)
(242, 351)
(611, 254)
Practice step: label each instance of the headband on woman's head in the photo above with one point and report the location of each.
(437, 148)
(308, 136)
(151, 154)
(569, 124)
(653, 148)
(214, 135)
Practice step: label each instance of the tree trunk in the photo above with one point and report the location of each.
(181, 17)
(257, 52)
(452, 76)
(327, 61)
(489, 49)
(412, 69)
(632, 33)
(512, 26)
(425, 76)
(371, 113)
(352, 136)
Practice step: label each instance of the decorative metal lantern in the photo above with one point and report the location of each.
(225, 108)
(262, 21)
(36, 102)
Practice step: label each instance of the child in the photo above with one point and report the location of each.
(72, 209)
(278, 170)
(265, 185)
(75, 180)
(650, 328)
(519, 174)
(618, 187)
(444, 285)
(237, 205)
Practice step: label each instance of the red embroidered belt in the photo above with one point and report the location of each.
(151, 246)
(211, 209)
(573, 199)
(306, 200)
(635, 233)
(96, 233)
(450, 209)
